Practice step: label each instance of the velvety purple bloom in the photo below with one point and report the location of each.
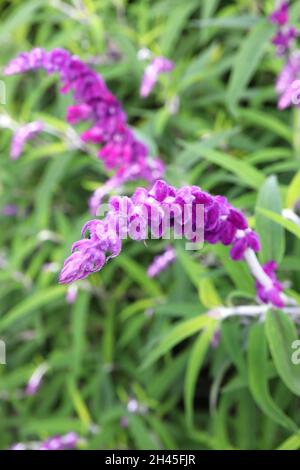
(149, 209)
(161, 262)
(244, 240)
(22, 135)
(280, 16)
(271, 295)
(93, 102)
(156, 67)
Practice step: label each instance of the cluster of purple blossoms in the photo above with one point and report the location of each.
(22, 135)
(161, 262)
(285, 34)
(132, 217)
(288, 84)
(157, 66)
(271, 294)
(94, 102)
(66, 442)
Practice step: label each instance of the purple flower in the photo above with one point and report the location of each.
(280, 16)
(35, 380)
(22, 135)
(287, 85)
(10, 210)
(93, 102)
(161, 262)
(156, 67)
(66, 442)
(273, 294)
(243, 241)
(72, 293)
(284, 38)
(148, 210)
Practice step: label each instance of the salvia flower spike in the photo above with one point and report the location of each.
(221, 223)
(94, 103)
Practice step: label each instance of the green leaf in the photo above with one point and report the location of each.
(279, 219)
(292, 443)
(258, 381)
(30, 304)
(177, 334)
(281, 334)
(246, 173)
(247, 60)
(271, 234)
(293, 193)
(194, 366)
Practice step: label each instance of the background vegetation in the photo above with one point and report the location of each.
(128, 337)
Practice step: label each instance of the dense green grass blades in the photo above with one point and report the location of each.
(258, 381)
(282, 334)
(280, 220)
(55, 171)
(177, 16)
(195, 363)
(271, 234)
(247, 60)
(79, 320)
(36, 301)
(134, 362)
(180, 332)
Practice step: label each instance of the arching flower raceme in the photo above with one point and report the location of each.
(157, 66)
(22, 135)
(120, 149)
(285, 34)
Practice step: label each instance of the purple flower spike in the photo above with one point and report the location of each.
(156, 67)
(93, 102)
(146, 212)
(271, 295)
(22, 135)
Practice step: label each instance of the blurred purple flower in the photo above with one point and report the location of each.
(94, 102)
(273, 294)
(10, 210)
(22, 135)
(72, 294)
(280, 15)
(161, 262)
(157, 66)
(35, 380)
